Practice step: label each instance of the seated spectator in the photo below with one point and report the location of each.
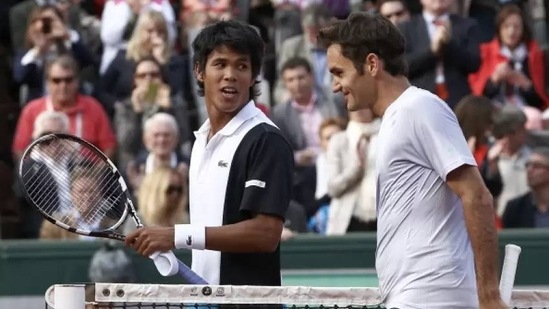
(394, 10)
(352, 179)
(328, 128)
(475, 115)
(30, 218)
(149, 39)
(84, 185)
(47, 37)
(442, 49)
(20, 15)
(162, 198)
(299, 120)
(118, 21)
(86, 116)
(531, 210)
(510, 131)
(512, 66)
(160, 136)
(151, 95)
(313, 18)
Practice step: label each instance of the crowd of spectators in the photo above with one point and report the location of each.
(119, 73)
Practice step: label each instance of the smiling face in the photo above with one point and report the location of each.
(359, 90)
(227, 79)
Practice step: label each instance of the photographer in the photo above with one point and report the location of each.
(47, 37)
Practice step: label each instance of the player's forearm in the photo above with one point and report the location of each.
(479, 217)
(246, 236)
(254, 235)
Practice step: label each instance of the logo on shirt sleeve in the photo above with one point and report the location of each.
(255, 183)
(189, 240)
(222, 163)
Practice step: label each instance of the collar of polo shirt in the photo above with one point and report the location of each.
(247, 112)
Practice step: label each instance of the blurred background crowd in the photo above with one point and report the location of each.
(118, 73)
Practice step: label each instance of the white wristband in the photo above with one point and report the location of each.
(189, 236)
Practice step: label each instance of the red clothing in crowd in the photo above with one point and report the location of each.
(95, 125)
(490, 57)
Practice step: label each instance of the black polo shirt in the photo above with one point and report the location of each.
(245, 169)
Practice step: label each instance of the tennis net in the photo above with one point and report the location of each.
(145, 296)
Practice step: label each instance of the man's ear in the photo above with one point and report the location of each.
(198, 73)
(372, 64)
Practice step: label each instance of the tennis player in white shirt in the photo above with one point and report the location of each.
(435, 215)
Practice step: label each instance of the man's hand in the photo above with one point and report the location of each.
(441, 37)
(148, 240)
(478, 208)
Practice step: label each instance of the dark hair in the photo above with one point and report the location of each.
(380, 3)
(363, 33)
(234, 35)
(504, 13)
(475, 116)
(159, 65)
(296, 62)
(34, 15)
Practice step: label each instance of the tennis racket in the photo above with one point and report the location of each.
(76, 187)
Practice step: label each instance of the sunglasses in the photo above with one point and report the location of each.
(59, 80)
(174, 189)
(147, 74)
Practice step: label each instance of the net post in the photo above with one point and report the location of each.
(70, 296)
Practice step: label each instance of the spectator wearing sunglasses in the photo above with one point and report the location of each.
(87, 119)
(162, 199)
(394, 10)
(151, 95)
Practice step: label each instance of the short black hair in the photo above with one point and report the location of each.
(363, 33)
(296, 62)
(234, 35)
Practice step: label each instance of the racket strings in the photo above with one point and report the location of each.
(74, 185)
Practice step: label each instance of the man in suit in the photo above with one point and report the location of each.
(442, 49)
(531, 210)
(299, 120)
(304, 46)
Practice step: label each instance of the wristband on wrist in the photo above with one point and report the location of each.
(188, 236)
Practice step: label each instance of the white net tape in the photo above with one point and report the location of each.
(289, 295)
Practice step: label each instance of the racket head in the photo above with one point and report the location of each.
(86, 184)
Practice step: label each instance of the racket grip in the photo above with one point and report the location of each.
(167, 264)
(510, 262)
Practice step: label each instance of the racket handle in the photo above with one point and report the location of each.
(510, 262)
(167, 264)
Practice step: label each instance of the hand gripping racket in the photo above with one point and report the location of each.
(76, 187)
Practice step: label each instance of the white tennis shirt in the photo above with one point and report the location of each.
(424, 258)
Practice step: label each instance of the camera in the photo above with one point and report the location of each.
(46, 25)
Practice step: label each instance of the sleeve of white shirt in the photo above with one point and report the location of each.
(439, 138)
